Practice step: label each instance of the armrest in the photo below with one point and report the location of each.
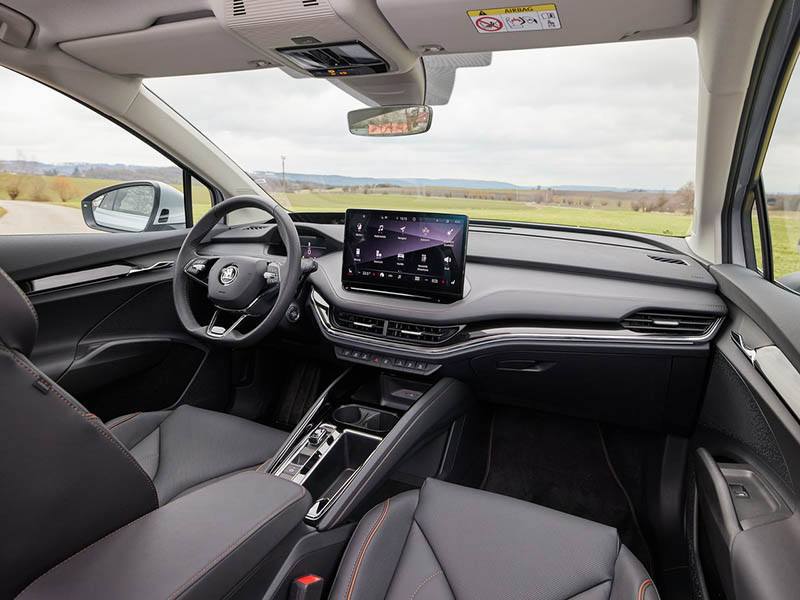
(198, 546)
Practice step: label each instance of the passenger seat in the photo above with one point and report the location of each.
(450, 542)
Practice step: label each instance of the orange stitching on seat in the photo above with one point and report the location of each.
(643, 588)
(238, 542)
(125, 420)
(363, 551)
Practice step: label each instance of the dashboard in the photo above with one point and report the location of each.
(543, 311)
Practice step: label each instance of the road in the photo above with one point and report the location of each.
(37, 217)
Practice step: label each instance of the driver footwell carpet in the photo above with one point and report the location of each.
(564, 464)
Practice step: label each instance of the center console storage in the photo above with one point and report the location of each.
(359, 429)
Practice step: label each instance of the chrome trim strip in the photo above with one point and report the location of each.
(161, 264)
(500, 335)
(779, 372)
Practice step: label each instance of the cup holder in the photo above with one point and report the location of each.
(369, 419)
(348, 415)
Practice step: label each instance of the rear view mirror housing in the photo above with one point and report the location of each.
(135, 206)
(390, 121)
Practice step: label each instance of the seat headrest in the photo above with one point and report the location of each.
(18, 321)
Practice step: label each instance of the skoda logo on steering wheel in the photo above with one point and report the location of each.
(228, 274)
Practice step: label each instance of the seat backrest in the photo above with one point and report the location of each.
(66, 481)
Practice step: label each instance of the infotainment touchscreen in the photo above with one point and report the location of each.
(421, 254)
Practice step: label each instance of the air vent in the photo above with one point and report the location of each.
(396, 330)
(239, 9)
(668, 259)
(360, 323)
(670, 323)
(254, 227)
(310, 3)
(426, 334)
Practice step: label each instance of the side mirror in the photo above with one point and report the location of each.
(390, 121)
(135, 206)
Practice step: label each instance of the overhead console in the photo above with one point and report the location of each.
(336, 60)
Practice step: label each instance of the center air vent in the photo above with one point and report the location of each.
(670, 323)
(426, 334)
(238, 8)
(395, 330)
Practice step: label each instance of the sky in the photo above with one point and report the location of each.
(613, 115)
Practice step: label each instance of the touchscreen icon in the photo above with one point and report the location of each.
(450, 232)
(378, 254)
(403, 229)
(401, 256)
(358, 252)
(423, 258)
(426, 230)
(380, 228)
(359, 227)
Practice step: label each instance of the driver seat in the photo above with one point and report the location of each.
(68, 479)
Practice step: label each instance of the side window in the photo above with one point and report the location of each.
(781, 177)
(57, 159)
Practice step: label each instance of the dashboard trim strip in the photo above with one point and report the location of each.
(493, 336)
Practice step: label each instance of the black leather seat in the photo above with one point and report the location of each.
(71, 479)
(449, 542)
(182, 449)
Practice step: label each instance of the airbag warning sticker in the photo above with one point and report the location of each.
(516, 18)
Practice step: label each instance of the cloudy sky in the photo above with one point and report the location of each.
(617, 115)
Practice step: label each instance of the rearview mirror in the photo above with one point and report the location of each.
(390, 121)
(135, 206)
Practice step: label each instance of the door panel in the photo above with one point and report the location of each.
(746, 463)
(115, 343)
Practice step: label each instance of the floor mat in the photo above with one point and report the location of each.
(563, 464)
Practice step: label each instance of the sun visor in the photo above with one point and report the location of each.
(468, 26)
(179, 48)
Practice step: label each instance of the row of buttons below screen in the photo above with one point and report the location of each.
(384, 361)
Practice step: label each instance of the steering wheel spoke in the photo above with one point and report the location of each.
(218, 332)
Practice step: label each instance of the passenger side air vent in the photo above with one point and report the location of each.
(426, 334)
(668, 259)
(415, 333)
(310, 3)
(670, 323)
(239, 9)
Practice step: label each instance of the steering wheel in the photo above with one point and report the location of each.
(239, 287)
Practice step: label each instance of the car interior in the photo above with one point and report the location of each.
(262, 402)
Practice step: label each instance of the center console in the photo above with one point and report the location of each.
(358, 431)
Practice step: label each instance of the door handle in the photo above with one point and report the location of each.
(749, 352)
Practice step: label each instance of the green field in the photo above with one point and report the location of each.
(501, 210)
(785, 226)
(606, 212)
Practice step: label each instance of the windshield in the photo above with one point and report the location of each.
(593, 136)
